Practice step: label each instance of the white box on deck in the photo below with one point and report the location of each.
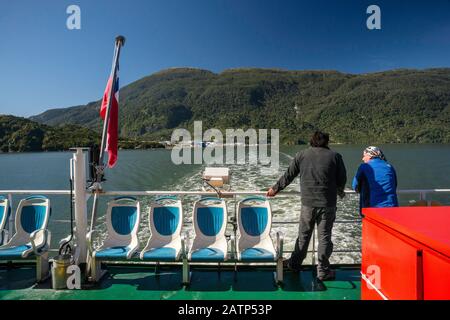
(215, 174)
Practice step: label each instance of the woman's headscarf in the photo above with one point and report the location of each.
(374, 152)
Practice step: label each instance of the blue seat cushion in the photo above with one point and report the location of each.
(2, 213)
(166, 220)
(254, 220)
(123, 219)
(32, 217)
(210, 220)
(160, 254)
(256, 255)
(208, 254)
(116, 253)
(14, 252)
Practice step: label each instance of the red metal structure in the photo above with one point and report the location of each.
(406, 253)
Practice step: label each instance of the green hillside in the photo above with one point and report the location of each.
(20, 134)
(384, 107)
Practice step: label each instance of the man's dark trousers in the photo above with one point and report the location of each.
(324, 218)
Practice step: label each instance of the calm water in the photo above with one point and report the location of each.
(418, 167)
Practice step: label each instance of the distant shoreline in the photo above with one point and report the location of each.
(162, 146)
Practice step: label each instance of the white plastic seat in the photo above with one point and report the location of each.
(121, 243)
(253, 242)
(32, 238)
(209, 243)
(5, 212)
(165, 221)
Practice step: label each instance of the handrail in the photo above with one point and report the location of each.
(247, 192)
(54, 192)
(227, 194)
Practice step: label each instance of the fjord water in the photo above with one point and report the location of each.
(417, 166)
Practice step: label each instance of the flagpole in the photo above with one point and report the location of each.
(100, 168)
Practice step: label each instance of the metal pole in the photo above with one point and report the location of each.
(120, 40)
(79, 179)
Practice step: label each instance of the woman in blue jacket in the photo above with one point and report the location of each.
(375, 180)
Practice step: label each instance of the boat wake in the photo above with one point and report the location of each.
(285, 208)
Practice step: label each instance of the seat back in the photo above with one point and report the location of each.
(254, 219)
(5, 211)
(165, 220)
(32, 214)
(210, 220)
(122, 221)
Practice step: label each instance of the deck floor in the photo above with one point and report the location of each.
(141, 283)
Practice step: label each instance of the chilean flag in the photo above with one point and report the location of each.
(113, 124)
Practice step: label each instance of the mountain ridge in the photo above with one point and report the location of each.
(401, 105)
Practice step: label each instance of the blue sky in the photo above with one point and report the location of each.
(44, 65)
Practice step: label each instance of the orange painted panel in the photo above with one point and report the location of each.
(391, 262)
(436, 275)
(426, 225)
(368, 293)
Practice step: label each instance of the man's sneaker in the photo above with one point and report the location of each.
(330, 275)
(292, 267)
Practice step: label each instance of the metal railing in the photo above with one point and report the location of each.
(232, 195)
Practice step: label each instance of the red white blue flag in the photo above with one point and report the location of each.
(113, 124)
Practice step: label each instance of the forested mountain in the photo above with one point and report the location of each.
(20, 134)
(385, 107)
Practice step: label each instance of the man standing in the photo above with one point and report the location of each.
(322, 177)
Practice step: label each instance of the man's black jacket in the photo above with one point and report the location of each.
(322, 173)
